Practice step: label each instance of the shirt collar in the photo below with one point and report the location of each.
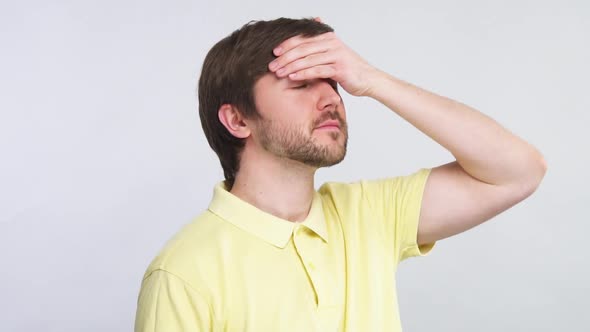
(266, 226)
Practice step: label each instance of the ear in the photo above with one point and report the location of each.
(233, 121)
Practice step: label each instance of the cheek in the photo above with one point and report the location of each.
(342, 110)
(277, 108)
(285, 110)
(289, 114)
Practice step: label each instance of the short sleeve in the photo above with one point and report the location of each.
(397, 202)
(167, 303)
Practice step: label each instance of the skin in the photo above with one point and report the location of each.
(289, 135)
(292, 112)
(493, 170)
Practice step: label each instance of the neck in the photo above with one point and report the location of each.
(281, 187)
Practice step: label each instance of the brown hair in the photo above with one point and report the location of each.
(229, 72)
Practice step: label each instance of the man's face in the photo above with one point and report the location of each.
(301, 120)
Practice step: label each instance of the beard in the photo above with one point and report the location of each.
(298, 143)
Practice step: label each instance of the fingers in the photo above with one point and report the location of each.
(323, 71)
(303, 50)
(295, 41)
(320, 59)
(303, 58)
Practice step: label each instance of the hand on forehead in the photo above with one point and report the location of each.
(323, 56)
(299, 52)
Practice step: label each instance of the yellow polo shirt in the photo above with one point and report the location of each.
(237, 268)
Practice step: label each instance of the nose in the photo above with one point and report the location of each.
(329, 98)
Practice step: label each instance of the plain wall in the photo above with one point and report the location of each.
(103, 159)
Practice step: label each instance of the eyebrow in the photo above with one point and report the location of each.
(291, 83)
(309, 81)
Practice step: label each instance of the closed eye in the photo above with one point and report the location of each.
(303, 86)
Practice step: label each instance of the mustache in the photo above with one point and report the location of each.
(330, 115)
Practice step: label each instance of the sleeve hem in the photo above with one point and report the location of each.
(413, 249)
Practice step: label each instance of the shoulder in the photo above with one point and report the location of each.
(193, 250)
(367, 188)
(340, 191)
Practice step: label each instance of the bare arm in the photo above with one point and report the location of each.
(494, 169)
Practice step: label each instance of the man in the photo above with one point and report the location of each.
(273, 254)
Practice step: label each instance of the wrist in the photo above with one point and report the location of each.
(376, 79)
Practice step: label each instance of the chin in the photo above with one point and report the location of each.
(334, 159)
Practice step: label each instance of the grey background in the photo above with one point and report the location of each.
(103, 157)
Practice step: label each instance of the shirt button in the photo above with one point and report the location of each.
(311, 266)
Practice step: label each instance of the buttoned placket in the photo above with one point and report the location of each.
(312, 253)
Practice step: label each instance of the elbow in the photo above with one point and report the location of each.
(537, 172)
(542, 169)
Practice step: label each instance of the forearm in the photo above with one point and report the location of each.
(482, 147)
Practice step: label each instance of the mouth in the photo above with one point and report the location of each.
(328, 128)
(329, 125)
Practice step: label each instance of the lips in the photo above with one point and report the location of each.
(329, 124)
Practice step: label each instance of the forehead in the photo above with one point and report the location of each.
(270, 79)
